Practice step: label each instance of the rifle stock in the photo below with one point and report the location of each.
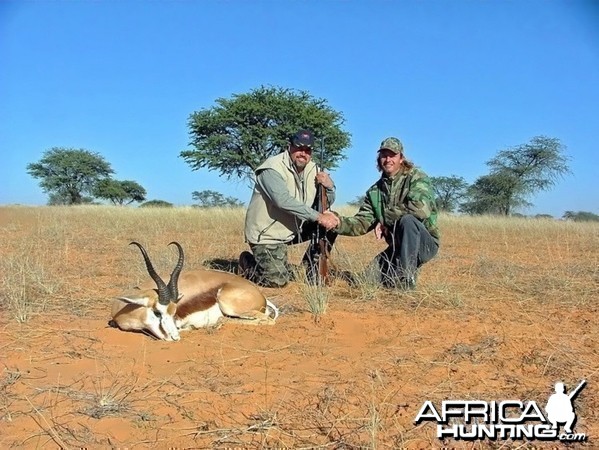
(320, 245)
(323, 248)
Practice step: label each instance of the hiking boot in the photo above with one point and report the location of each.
(246, 265)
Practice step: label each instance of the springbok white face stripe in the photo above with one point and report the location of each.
(167, 322)
(168, 325)
(162, 309)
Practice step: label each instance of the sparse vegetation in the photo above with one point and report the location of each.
(504, 311)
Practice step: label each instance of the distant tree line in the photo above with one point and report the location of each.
(211, 199)
(515, 175)
(236, 134)
(581, 216)
(77, 176)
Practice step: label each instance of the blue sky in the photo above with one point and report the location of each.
(456, 81)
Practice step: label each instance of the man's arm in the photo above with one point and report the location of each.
(360, 223)
(420, 201)
(273, 186)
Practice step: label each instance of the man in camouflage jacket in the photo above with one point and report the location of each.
(400, 207)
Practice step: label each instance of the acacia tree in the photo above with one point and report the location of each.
(237, 134)
(208, 199)
(516, 174)
(491, 194)
(119, 192)
(68, 174)
(449, 191)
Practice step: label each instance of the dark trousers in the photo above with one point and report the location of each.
(307, 233)
(313, 252)
(410, 246)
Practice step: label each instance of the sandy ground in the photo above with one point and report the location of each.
(354, 377)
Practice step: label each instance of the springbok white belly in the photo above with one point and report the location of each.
(200, 319)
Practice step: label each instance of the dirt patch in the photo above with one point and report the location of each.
(489, 321)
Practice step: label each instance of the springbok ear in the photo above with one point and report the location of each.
(138, 298)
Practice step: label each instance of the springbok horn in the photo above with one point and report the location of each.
(163, 291)
(173, 283)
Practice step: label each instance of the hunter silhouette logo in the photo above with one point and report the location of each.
(507, 419)
(560, 408)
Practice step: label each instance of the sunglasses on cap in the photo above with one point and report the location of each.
(301, 148)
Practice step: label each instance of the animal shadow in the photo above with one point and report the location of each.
(226, 265)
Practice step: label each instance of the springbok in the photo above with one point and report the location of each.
(194, 299)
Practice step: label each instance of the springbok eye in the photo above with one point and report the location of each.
(157, 313)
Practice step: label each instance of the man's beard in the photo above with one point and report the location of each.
(300, 165)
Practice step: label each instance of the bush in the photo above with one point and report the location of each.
(156, 204)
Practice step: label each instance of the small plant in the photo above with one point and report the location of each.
(317, 298)
(110, 399)
(316, 295)
(367, 283)
(8, 378)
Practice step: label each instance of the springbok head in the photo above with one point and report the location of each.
(162, 302)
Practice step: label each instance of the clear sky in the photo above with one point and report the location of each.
(456, 81)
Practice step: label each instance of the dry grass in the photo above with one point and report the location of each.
(507, 308)
(47, 250)
(317, 298)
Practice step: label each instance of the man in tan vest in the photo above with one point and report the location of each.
(281, 212)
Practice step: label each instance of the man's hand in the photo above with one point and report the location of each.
(324, 179)
(328, 220)
(380, 231)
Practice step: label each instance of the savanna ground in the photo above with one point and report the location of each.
(507, 309)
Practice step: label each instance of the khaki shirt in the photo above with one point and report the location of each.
(268, 223)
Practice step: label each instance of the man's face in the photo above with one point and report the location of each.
(390, 162)
(300, 156)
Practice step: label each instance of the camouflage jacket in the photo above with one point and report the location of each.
(389, 198)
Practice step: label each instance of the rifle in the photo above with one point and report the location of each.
(319, 244)
(575, 392)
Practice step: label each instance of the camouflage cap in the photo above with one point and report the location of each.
(393, 144)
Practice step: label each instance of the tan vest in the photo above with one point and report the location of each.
(266, 224)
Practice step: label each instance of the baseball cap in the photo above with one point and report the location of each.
(393, 144)
(303, 138)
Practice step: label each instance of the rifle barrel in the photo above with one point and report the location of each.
(577, 390)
